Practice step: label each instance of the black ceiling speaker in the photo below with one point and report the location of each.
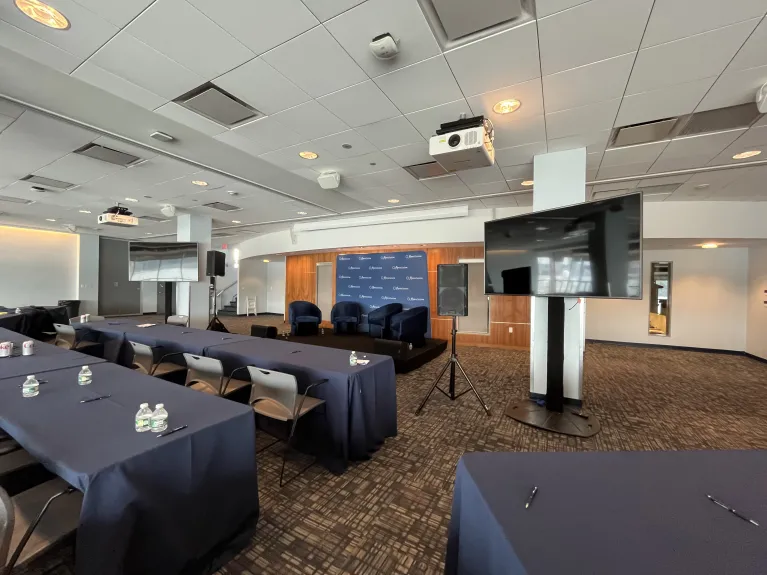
(453, 289)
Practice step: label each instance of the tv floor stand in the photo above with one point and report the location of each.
(554, 415)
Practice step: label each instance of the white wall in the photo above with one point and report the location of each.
(88, 273)
(38, 267)
(275, 287)
(708, 302)
(252, 282)
(756, 329)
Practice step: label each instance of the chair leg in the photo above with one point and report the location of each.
(285, 456)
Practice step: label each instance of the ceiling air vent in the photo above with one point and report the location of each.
(13, 200)
(152, 219)
(721, 119)
(221, 235)
(222, 206)
(49, 183)
(426, 171)
(217, 105)
(108, 155)
(658, 190)
(643, 133)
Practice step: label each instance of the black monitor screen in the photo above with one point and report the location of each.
(586, 250)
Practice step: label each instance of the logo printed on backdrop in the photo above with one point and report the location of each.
(394, 285)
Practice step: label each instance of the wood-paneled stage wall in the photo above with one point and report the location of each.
(506, 312)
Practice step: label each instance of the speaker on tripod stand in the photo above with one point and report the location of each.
(452, 300)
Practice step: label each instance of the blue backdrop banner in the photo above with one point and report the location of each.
(375, 280)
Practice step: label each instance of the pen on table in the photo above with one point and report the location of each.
(731, 510)
(532, 496)
(94, 398)
(226, 338)
(165, 433)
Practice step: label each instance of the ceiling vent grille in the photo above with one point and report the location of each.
(153, 219)
(721, 119)
(49, 183)
(215, 104)
(222, 206)
(13, 200)
(426, 171)
(659, 189)
(108, 155)
(221, 235)
(643, 133)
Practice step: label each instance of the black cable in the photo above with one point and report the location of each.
(575, 304)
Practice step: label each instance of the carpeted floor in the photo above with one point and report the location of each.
(389, 515)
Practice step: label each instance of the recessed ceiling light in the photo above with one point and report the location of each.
(308, 155)
(506, 106)
(527, 183)
(44, 14)
(709, 245)
(236, 222)
(301, 213)
(85, 211)
(346, 146)
(702, 186)
(199, 183)
(394, 201)
(265, 261)
(131, 200)
(744, 155)
(149, 233)
(49, 220)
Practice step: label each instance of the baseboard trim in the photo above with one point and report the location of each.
(756, 357)
(664, 346)
(568, 400)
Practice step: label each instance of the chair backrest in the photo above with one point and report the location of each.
(182, 320)
(250, 303)
(65, 335)
(299, 308)
(7, 522)
(143, 357)
(281, 389)
(204, 370)
(346, 308)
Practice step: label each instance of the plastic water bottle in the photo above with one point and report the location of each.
(143, 418)
(353, 358)
(159, 421)
(30, 387)
(18, 310)
(85, 377)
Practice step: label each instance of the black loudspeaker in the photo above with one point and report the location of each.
(216, 264)
(453, 289)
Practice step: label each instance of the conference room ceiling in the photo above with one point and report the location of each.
(581, 69)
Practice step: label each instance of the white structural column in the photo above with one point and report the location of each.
(560, 180)
(192, 298)
(88, 273)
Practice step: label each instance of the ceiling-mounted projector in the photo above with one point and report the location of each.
(118, 216)
(464, 144)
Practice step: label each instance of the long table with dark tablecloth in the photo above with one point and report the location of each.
(46, 357)
(152, 505)
(606, 513)
(12, 321)
(35, 320)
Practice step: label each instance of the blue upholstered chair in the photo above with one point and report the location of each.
(379, 320)
(411, 325)
(304, 318)
(346, 316)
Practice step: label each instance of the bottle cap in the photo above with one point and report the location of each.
(143, 405)
(85, 367)
(159, 406)
(31, 376)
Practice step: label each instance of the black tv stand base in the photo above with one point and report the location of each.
(565, 422)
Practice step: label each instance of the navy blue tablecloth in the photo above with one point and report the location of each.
(607, 513)
(47, 357)
(12, 321)
(361, 401)
(152, 505)
(35, 320)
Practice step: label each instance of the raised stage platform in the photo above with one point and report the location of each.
(405, 360)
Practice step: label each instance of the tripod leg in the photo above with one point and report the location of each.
(433, 387)
(474, 389)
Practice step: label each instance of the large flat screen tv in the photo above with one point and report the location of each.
(586, 250)
(164, 262)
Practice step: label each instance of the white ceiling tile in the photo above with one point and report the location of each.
(259, 24)
(269, 133)
(649, 183)
(581, 120)
(33, 47)
(733, 88)
(754, 52)
(591, 174)
(640, 153)
(593, 160)
(355, 29)
(663, 165)
(391, 133)
(199, 44)
(476, 65)
(447, 186)
(517, 155)
(410, 154)
(622, 171)
(428, 121)
(261, 86)
(10, 109)
(77, 169)
(675, 19)
(681, 60)
(726, 156)
(756, 136)
(703, 145)
(327, 9)
(128, 57)
(359, 105)
(614, 27)
(414, 189)
(393, 177)
(118, 86)
(310, 120)
(289, 159)
(549, 7)
(420, 86)
(489, 188)
(589, 84)
(316, 63)
(188, 118)
(508, 201)
(88, 32)
(481, 175)
(335, 143)
(349, 167)
(529, 94)
(5, 121)
(592, 141)
(521, 172)
(252, 147)
(665, 102)
(520, 131)
(119, 12)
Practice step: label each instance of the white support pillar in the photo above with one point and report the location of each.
(560, 180)
(192, 298)
(88, 273)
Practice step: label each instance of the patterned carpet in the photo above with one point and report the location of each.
(389, 515)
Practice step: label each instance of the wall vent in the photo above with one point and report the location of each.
(215, 104)
(49, 183)
(108, 155)
(426, 171)
(222, 206)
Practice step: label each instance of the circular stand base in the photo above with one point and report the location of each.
(567, 423)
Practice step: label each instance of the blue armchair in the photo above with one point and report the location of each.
(379, 320)
(411, 326)
(304, 318)
(346, 316)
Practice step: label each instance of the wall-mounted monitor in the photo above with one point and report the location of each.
(164, 262)
(592, 249)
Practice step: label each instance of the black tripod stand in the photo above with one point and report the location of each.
(451, 363)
